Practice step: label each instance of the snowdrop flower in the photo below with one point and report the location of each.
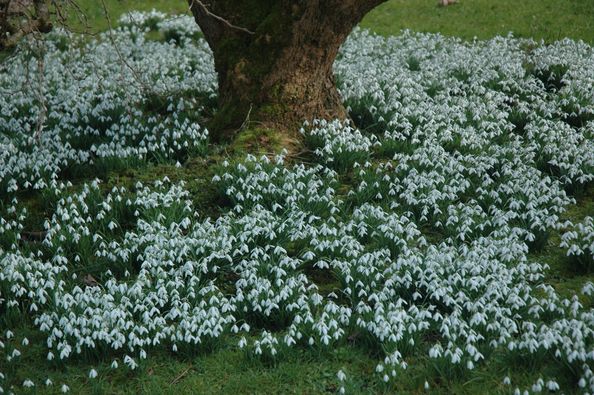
(552, 386)
(130, 362)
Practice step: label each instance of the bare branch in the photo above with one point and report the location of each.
(208, 13)
(40, 93)
(136, 75)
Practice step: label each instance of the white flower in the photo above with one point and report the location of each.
(130, 362)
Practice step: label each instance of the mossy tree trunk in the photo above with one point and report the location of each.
(274, 58)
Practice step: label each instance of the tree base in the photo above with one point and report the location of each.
(274, 60)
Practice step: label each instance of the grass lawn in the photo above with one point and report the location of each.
(226, 368)
(549, 20)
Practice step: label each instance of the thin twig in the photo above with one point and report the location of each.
(62, 18)
(246, 121)
(180, 376)
(135, 73)
(40, 96)
(220, 19)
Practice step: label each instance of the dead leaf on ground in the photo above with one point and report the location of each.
(90, 281)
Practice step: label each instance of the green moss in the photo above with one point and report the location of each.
(258, 141)
(244, 61)
(269, 111)
(227, 120)
(197, 173)
(255, 53)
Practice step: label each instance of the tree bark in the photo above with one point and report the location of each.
(274, 58)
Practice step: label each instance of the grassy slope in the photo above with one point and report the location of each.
(541, 19)
(227, 369)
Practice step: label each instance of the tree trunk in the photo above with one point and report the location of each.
(274, 58)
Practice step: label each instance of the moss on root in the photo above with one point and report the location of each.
(258, 141)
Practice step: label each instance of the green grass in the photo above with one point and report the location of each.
(549, 20)
(229, 370)
(93, 17)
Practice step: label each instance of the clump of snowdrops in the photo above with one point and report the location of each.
(579, 242)
(462, 161)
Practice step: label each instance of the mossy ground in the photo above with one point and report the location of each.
(226, 369)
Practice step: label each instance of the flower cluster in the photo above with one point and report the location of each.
(88, 107)
(338, 144)
(579, 242)
(174, 27)
(179, 27)
(416, 90)
(144, 19)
